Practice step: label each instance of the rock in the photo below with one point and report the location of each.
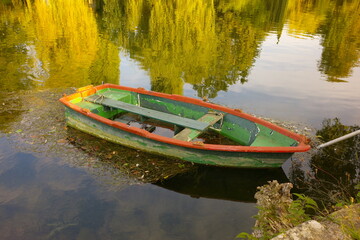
(336, 226)
(312, 230)
(273, 201)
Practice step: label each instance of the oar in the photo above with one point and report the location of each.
(339, 139)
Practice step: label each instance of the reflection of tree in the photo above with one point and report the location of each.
(12, 50)
(305, 17)
(61, 42)
(335, 168)
(105, 67)
(209, 45)
(182, 39)
(213, 44)
(341, 41)
(65, 38)
(338, 22)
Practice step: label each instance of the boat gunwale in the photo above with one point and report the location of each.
(84, 92)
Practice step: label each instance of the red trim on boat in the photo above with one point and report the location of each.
(87, 91)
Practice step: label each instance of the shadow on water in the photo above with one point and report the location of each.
(222, 183)
(136, 165)
(327, 175)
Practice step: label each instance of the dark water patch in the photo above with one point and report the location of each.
(70, 212)
(58, 202)
(92, 212)
(222, 183)
(151, 212)
(8, 211)
(330, 174)
(22, 171)
(170, 223)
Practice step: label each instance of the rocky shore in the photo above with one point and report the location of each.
(277, 214)
(338, 225)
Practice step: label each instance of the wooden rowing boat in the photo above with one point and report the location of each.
(180, 127)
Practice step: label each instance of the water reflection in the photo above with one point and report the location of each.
(34, 197)
(11, 110)
(222, 183)
(340, 40)
(54, 44)
(192, 42)
(210, 45)
(333, 172)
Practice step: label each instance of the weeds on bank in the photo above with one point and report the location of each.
(347, 225)
(276, 219)
(278, 212)
(345, 202)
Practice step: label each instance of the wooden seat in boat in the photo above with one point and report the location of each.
(189, 134)
(199, 125)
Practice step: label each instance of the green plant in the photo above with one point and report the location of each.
(357, 187)
(277, 219)
(300, 208)
(351, 200)
(352, 231)
(347, 222)
(280, 214)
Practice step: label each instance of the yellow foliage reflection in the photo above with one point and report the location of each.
(61, 41)
(341, 41)
(67, 37)
(305, 16)
(338, 23)
(208, 44)
(181, 42)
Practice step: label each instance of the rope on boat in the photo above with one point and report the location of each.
(100, 98)
(218, 114)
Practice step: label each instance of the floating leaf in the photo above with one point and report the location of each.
(62, 141)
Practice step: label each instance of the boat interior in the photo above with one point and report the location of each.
(180, 120)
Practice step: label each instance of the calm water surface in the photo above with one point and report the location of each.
(290, 60)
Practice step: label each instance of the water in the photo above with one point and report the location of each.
(289, 60)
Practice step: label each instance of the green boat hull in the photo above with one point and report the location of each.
(195, 155)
